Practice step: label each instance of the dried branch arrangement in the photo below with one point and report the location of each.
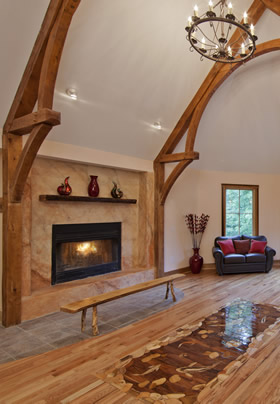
(197, 226)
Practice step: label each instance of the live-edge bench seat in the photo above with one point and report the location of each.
(83, 305)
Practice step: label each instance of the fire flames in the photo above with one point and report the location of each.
(86, 248)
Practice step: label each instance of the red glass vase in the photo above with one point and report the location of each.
(93, 187)
(196, 261)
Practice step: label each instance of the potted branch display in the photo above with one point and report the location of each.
(197, 226)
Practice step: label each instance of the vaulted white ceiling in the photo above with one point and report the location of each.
(130, 64)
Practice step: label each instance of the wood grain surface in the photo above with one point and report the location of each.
(70, 374)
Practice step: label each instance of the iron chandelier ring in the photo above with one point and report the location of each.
(238, 58)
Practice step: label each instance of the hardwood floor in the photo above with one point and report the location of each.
(70, 374)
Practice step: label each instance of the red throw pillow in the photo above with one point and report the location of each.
(242, 246)
(227, 246)
(257, 247)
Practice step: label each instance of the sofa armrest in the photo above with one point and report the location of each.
(219, 259)
(269, 252)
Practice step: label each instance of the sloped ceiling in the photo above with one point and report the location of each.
(131, 66)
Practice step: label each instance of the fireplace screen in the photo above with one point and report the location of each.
(84, 250)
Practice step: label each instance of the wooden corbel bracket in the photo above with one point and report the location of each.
(177, 157)
(25, 124)
(177, 171)
(27, 157)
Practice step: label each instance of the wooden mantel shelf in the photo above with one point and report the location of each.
(71, 198)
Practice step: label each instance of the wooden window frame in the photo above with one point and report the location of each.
(255, 189)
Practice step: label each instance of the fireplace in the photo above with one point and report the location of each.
(83, 250)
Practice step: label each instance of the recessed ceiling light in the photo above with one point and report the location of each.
(157, 125)
(72, 93)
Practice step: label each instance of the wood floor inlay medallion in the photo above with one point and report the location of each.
(176, 368)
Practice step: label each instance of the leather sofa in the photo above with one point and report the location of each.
(242, 263)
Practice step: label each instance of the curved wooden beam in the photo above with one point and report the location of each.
(53, 53)
(266, 47)
(255, 12)
(273, 5)
(27, 158)
(27, 92)
(177, 171)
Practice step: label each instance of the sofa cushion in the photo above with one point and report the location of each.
(222, 238)
(234, 259)
(257, 247)
(242, 246)
(227, 246)
(255, 258)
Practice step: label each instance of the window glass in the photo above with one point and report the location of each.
(240, 210)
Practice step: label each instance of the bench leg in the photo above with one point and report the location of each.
(172, 291)
(167, 290)
(83, 319)
(94, 321)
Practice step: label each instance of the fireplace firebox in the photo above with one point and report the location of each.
(83, 250)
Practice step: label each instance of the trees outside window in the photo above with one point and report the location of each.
(240, 210)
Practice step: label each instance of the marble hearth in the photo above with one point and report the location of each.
(40, 297)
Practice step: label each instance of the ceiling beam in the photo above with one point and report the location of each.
(261, 49)
(273, 5)
(255, 12)
(53, 53)
(27, 92)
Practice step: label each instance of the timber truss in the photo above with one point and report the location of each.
(37, 89)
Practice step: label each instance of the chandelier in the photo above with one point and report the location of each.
(209, 34)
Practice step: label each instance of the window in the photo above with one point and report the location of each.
(240, 210)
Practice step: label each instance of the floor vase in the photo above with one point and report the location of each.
(196, 261)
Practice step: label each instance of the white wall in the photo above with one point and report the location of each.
(199, 191)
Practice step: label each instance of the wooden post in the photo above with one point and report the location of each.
(37, 85)
(159, 219)
(12, 235)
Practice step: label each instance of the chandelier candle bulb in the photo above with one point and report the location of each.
(229, 51)
(210, 5)
(189, 22)
(195, 11)
(243, 49)
(203, 43)
(252, 29)
(245, 18)
(229, 8)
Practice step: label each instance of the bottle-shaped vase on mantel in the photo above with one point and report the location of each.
(93, 187)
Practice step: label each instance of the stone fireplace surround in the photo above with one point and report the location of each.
(39, 297)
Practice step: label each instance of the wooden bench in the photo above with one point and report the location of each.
(83, 305)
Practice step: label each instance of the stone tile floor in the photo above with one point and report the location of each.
(60, 329)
